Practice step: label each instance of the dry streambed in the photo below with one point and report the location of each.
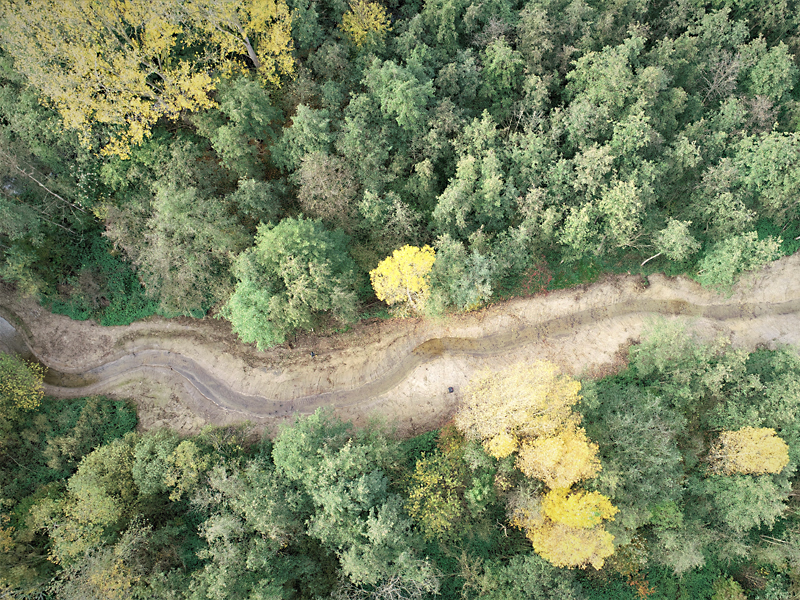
(185, 373)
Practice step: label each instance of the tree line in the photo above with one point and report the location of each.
(672, 479)
(259, 159)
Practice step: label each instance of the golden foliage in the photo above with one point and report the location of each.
(502, 445)
(365, 20)
(260, 28)
(749, 451)
(524, 400)
(566, 546)
(117, 63)
(561, 459)
(528, 408)
(580, 509)
(404, 276)
(565, 528)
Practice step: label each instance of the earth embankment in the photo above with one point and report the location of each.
(185, 373)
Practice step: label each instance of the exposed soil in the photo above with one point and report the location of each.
(185, 373)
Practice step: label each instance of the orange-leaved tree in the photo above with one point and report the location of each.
(749, 451)
(404, 276)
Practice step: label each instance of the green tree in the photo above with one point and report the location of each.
(355, 515)
(184, 249)
(296, 271)
(310, 132)
(20, 386)
(733, 256)
(242, 127)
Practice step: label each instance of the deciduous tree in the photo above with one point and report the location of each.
(365, 21)
(404, 276)
(517, 403)
(20, 385)
(119, 63)
(749, 451)
(296, 271)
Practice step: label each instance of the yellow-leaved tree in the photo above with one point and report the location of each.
(365, 20)
(260, 28)
(749, 451)
(566, 528)
(404, 276)
(560, 460)
(120, 63)
(528, 408)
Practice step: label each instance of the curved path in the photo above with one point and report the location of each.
(402, 369)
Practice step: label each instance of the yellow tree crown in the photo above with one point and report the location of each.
(749, 451)
(404, 276)
(363, 20)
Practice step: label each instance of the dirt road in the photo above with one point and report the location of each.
(186, 373)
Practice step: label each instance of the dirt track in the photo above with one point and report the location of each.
(185, 373)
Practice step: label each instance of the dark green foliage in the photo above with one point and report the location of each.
(103, 287)
(50, 441)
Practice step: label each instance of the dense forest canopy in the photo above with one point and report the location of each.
(673, 479)
(144, 145)
(266, 161)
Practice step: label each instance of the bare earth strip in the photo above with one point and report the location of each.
(186, 373)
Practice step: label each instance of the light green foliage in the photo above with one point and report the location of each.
(20, 386)
(745, 502)
(400, 95)
(613, 222)
(601, 86)
(675, 241)
(479, 195)
(109, 572)
(310, 132)
(254, 516)
(502, 69)
(774, 75)
(100, 499)
(463, 279)
(296, 271)
(355, 515)
(733, 256)
(719, 203)
(151, 460)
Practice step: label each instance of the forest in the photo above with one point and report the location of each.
(671, 479)
(295, 165)
(257, 160)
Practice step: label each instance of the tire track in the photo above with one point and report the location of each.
(219, 393)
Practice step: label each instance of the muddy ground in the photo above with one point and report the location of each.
(186, 373)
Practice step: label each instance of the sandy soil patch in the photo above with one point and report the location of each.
(185, 373)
